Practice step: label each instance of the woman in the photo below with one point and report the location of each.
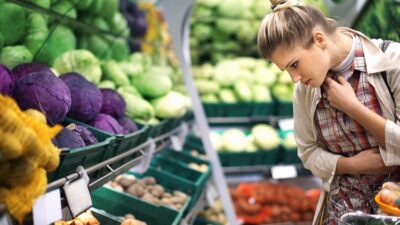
(344, 114)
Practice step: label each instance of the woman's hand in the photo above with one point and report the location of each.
(340, 94)
(367, 162)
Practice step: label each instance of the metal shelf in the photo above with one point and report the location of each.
(273, 120)
(200, 205)
(161, 143)
(264, 170)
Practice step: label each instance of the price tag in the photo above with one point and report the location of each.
(78, 196)
(145, 161)
(211, 195)
(282, 172)
(176, 143)
(5, 219)
(286, 124)
(47, 208)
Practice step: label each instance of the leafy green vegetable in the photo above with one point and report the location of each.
(153, 83)
(81, 61)
(12, 23)
(14, 55)
(172, 105)
(113, 72)
(61, 40)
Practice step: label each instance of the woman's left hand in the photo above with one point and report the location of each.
(340, 94)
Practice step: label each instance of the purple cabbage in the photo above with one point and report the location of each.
(128, 125)
(86, 97)
(6, 81)
(66, 138)
(113, 103)
(86, 135)
(28, 68)
(107, 123)
(45, 92)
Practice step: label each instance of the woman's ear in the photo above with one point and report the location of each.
(320, 39)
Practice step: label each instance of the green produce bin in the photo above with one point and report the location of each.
(193, 180)
(204, 221)
(86, 156)
(289, 156)
(238, 109)
(105, 218)
(283, 108)
(260, 157)
(183, 159)
(193, 143)
(119, 204)
(122, 143)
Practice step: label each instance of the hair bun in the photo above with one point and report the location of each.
(277, 5)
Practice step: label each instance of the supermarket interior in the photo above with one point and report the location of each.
(198, 112)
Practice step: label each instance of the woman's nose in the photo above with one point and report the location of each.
(295, 77)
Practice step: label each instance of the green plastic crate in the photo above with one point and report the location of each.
(122, 143)
(260, 157)
(204, 221)
(193, 180)
(289, 156)
(238, 109)
(86, 156)
(184, 159)
(164, 127)
(119, 204)
(262, 109)
(193, 143)
(105, 218)
(283, 108)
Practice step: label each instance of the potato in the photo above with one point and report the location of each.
(166, 195)
(136, 190)
(157, 190)
(178, 206)
(150, 198)
(115, 186)
(181, 195)
(149, 180)
(129, 216)
(126, 180)
(166, 201)
(176, 199)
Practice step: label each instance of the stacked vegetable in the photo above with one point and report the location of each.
(243, 79)
(265, 203)
(224, 29)
(262, 137)
(26, 154)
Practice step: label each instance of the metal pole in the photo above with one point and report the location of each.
(177, 14)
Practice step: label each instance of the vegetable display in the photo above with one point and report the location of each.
(45, 92)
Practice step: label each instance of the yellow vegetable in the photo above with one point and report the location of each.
(36, 115)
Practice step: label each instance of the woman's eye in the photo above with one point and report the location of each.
(294, 65)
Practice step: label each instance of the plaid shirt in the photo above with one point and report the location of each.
(338, 132)
(342, 135)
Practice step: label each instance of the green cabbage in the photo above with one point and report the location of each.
(137, 108)
(265, 137)
(113, 72)
(172, 105)
(15, 55)
(81, 61)
(207, 86)
(234, 140)
(154, 83)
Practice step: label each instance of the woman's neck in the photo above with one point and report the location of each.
(342, 44)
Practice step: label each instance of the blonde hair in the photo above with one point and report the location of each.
(289, 22)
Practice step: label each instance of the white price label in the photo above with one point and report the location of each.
(78, 196)
(286, 124)
(283, 172)
(47, 208)
(5, 219)
(211, 195)
(176, 143)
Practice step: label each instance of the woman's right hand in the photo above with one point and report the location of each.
(367, 162)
